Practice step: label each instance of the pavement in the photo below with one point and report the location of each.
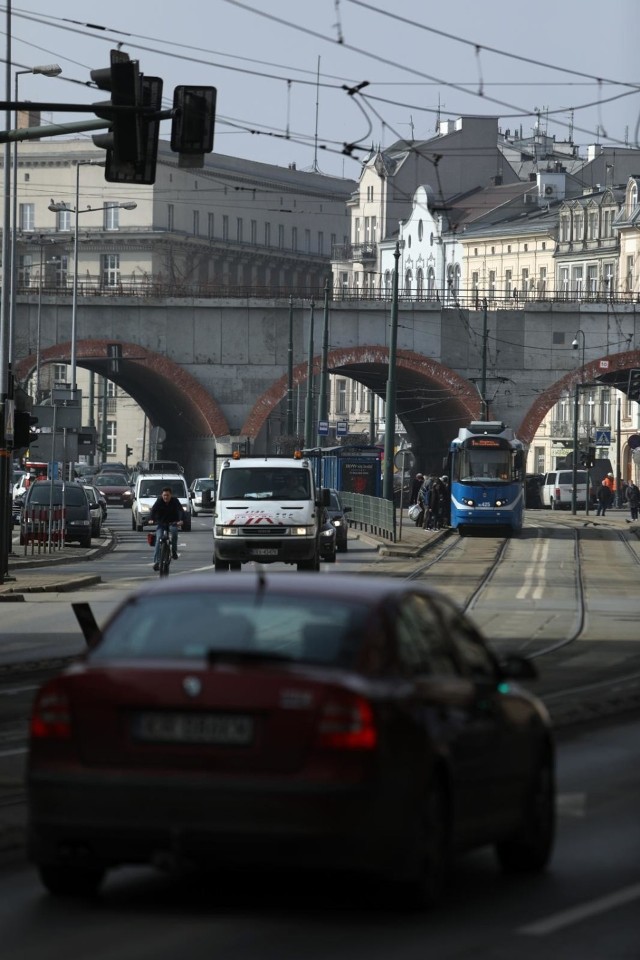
(29, 574)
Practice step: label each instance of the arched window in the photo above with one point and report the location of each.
(420, 284)
(431, 284)
(387, 284)
(408, 281)
(420, 229)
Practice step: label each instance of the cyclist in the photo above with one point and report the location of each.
(167, 511)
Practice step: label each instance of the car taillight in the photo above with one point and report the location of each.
(347, 723)
(51, 714)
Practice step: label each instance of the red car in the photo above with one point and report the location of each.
(348, 722)
(115, 488)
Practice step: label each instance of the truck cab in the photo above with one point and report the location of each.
(267, 510)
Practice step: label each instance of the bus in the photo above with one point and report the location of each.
(487, 478)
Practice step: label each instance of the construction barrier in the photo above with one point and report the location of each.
(43, 529)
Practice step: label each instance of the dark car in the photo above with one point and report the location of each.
(115, 488)
(338, 517)
(533, 491)
(55, 494)
(343, 722)
(328, 542)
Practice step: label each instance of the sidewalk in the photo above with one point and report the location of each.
(44, 573)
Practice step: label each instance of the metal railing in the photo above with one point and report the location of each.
(372, 514)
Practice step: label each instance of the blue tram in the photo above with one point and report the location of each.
(487, 477)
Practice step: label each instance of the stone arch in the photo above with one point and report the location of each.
(409, 366)
(164, 389)
(602, 370)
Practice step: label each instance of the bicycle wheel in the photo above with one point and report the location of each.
(165, 559)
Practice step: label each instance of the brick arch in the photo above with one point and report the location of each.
(152, 379)
(593, 371)
(413, 363)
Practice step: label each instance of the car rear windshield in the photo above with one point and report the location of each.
(42, 494)
(197, 626)
(112, 480)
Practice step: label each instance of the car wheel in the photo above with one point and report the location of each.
(63, 880)
(425, 889)
(342, 547)
(529, 850)
(85, 541)
(139, 525)
(332, 558)
(554, 505)
(235, 566)
(220, 564)
(133, 521)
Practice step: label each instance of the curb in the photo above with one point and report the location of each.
(398, 550)
(17, 563)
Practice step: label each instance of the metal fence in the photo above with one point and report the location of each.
(371, 514)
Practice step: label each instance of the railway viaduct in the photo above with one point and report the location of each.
(202, 368)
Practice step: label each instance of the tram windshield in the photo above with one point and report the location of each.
(492, 465)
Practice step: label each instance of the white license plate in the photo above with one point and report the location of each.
(208, 728)
(264, 551)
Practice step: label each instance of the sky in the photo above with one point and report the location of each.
(319, 82)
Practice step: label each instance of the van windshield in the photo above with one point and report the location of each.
(268, 483)
(153, 488)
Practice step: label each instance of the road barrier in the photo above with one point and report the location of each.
(372, 514)
(43, 529)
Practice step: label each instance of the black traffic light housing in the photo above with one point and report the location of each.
(633, 387)
(24, 433)
(194, 114)
(132, 140)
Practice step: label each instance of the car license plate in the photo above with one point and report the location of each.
(264, 551)
(210, 728)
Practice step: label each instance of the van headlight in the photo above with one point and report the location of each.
(226, 531)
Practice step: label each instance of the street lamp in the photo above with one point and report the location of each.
(45, 70)
(576, 407)
(57, 208)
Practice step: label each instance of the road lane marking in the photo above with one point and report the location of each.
(584, 912)
(533, 586)
(13, 753)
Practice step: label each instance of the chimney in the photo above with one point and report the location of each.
(28, 118)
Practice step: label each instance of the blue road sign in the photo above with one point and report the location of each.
(603, 438)
(342, 428)
(323, 428)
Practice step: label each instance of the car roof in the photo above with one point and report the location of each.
(367, 588)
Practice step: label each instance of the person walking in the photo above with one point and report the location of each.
(604, 497)
(416, 483)
(633, 499)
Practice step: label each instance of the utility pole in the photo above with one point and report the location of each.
(290, 372)
(390, 404)
(323, 405)
(308, 414)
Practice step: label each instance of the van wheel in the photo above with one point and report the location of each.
(220, 564)
(554, 505)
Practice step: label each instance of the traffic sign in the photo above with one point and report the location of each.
(342, 428)
(603, 438)
(323, 428)
(404, 460)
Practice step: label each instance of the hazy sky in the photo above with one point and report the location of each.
(280, 76)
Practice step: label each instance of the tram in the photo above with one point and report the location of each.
(487, 478)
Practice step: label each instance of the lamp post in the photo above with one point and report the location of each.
(576, 408)
(57, 208)
(45, 70)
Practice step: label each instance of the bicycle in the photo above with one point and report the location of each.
(164, 560)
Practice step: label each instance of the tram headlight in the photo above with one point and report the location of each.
(468, 502)
(502, 502)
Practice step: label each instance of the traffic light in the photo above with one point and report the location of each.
(24, 433)
(194, 113)
(633, 387)
(114, 352)
(132, 140)
(128, 452)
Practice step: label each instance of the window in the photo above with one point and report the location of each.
(526, 248)
(239, 229)
(63, 220)
(592, 225)
(341, 396)
(112, 430)
(111, 216)
(307, 241)
(408, 280)
(27, 216)
(254, 232)
(267, 234)
(367, 229)
(320, 242)
(578, 229)
(25, 266)
(281, 236)
(524, 282)
(592, 280)
(56, 272)
(508, 281)
(538, 460)
(294, 238)
(420, 283)
(578, 281)
(564, 282)
(431, 284)
(59, 373)
(356, 230)
(628, 282)
(607, 223)
(170, 216)
(110, 269)
(420, 229)
(225, 227)
(492, 284)
(196, 223)
(210, 226)
(542, 282)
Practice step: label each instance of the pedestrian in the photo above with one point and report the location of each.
(424, 499)
(633, 499)
(604, 497)
(416, 483)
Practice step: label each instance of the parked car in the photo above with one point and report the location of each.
(338, 517)
(354, 722)
(43, 493)
(557, 489)
(115, 488)
(533, 491)
(95, 506)
(201, 495)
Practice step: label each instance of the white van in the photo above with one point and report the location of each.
(267, 510)
(148, 488)
(557, 489)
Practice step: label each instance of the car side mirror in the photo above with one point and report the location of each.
(346, 509)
